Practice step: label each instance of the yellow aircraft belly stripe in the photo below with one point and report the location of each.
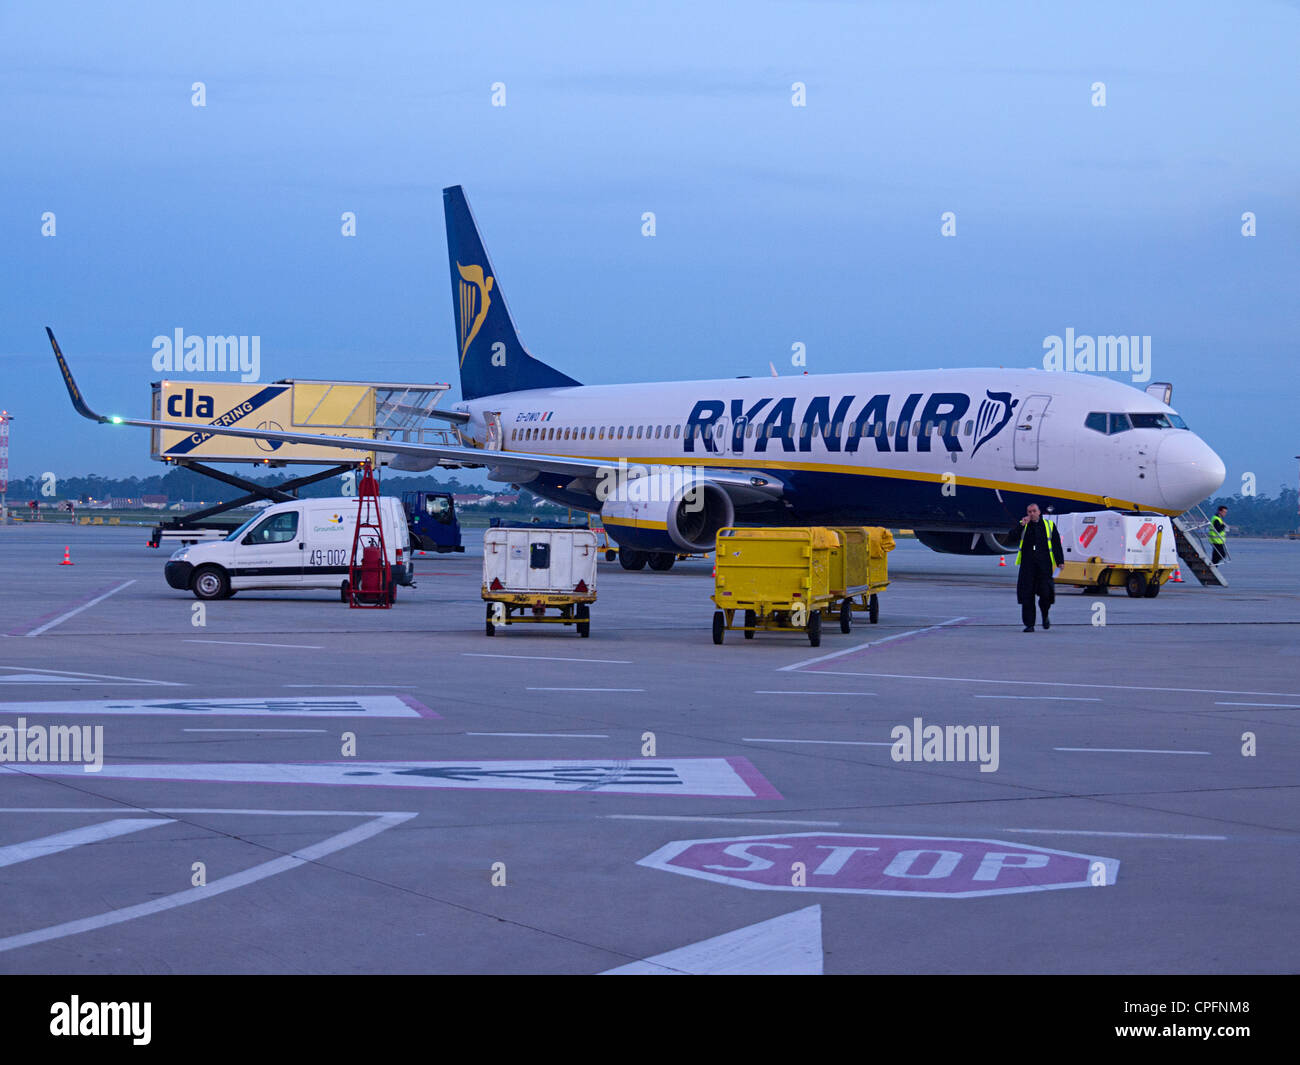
(636, 523)
(1108, 502)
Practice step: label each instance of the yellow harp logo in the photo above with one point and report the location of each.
(474, 304)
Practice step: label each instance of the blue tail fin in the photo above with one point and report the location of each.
(492, 358)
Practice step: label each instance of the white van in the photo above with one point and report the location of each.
(301, 544)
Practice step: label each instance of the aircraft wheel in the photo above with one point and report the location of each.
(662, 561)
(631, 560)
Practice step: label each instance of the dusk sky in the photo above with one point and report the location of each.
(776, 224)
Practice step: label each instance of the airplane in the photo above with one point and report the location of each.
(955, 455)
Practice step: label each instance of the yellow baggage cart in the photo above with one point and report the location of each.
(778, 580)
(859, 573)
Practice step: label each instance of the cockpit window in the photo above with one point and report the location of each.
(1095, 421)
(1119, 423)
(1151, 421)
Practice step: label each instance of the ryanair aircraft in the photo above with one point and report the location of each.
(955, 455)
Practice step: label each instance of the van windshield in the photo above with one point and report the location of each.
(244, 528)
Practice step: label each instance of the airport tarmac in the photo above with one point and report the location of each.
(499, 808)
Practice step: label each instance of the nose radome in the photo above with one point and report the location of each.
(1187, 470)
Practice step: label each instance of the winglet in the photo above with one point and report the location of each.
(74, 393)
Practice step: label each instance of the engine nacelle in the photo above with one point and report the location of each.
(962, 543)
(665, 510)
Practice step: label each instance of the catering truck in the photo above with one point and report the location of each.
(298, 545)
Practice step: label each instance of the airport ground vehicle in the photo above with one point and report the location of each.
(779, 579)
(859, 573)
(302, 544)
(1107, 549)
(431, 517)
(529, 570)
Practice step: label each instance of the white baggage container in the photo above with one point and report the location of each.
(1118, 539)
(528, 570)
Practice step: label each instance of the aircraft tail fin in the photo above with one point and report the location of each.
(493, 359)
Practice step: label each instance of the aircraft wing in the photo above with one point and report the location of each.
(518, 467)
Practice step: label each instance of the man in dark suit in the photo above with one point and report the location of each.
(1039, 557)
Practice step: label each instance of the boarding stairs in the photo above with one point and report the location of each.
(1191, 533)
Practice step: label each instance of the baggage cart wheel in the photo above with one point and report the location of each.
(718, 626)
(491, 629)
(1153, 589)
(584, 620)
(610, 555)
(751, 619)
(846, 616)
(873, 608)
(1136, 585)
(815, 628)
(1103, 583)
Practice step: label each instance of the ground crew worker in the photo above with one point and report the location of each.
(1040, 554)
(1218, 536)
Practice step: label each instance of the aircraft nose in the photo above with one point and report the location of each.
(1187, 470)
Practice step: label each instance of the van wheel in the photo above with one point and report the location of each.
(210, 582)
(343, 591)
(584, 619)
(392, 594)
(1136, 585)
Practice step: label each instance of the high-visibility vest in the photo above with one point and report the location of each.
(1217, 528)
(1051, 555)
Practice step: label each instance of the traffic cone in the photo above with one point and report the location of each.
(1178, 577)
(1002, 561)
(67, 557)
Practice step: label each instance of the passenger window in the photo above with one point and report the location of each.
(970, 428)
(277, 529)
(890, 429)
(1096, 422)
(638, 431)
(916, 428)
(943, 428)
(876, 428)
(677, 432)
(620, 432)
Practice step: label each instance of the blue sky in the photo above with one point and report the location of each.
(775, 224)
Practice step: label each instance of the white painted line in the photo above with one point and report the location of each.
(1124, 750)
(1047, 698)
(842, 743)
(790, 945)
(250, 643)
(34, 675)
(812, 693)
(1125, 835)
(585, 689)
(863, 646)
(197, 810)
(320, 707)
(548, 658)
(84, 606)
(730, 820)
(254, 730)
(215, 887)
(62, 841)
(349, 685)
(547, 735)
(1268, 706)
(1050, 683)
